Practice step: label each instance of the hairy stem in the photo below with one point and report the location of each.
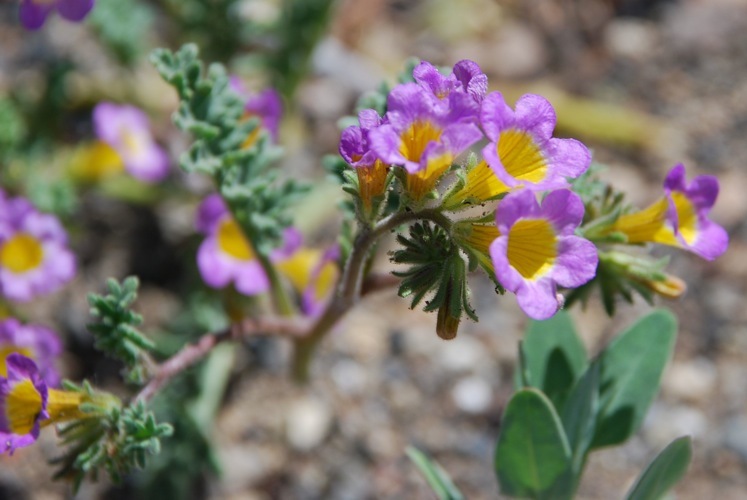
(191, 354)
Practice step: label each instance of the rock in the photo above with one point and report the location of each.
(349, 377)
(308, 423)
(472, 395)
(691, 381)
(630, 38)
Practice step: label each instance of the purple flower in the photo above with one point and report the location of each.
(465, 77)
(425, 134)
(313, 274)
(34, 257)
(127, 130)
(26, 404)
(522, 151)
(265, 105)
(679, 218)
(225, 256)
(33, 13)
(536, 249)
(355, 148)
(688, 213)
(33, 341)
(23, 403)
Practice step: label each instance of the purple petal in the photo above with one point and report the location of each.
(149, 165)
(567, 158)
(496, 115)
(538, 299)
(535, 114)
(576, 262)
(74, 10)
(430, 78)
(675, 179)
(385, 143)
(368, 119)
(516, 205)
(209, 213)
(352, 144)
(507, 276)
(33, 15)
(564, 209)
(703, 191)
(250, 278)
(216, 270)
(474, 81)
(458, 137)
(269, 107)
(712, 240)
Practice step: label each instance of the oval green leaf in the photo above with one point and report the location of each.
(532, 451)
(664, 472)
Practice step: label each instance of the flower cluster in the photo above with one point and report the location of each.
(531, 248)
(33, 13)
(34, 256)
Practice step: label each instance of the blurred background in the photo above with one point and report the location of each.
(646, 84)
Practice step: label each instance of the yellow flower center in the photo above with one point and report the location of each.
(687, 217)
(521, 156)
(480, 238)
(21, 253)
(481, 185)
(416, 138)
(8, 349)
(134, 142)
(532, 247)
(22, 407)
(231, 240)
(299, 268)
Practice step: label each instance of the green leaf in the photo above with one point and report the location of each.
(632, 366)
(532, 452)
(437, 478)
(554, 357)
(580, 414)
(664, 472)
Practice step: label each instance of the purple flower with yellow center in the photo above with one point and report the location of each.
(537, 250)
(33, 341)
(127, 130)
(680, 217)
(355, 148)
(465, 77)
(26, 404)
(313, 274)
(226, 256)
(34, 257)
(33, 13)
(266, 105)
(522, 151)
(425, 134)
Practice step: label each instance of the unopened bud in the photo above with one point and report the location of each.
(446, 324)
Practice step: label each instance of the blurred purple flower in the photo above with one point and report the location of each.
(23, 403)
(265, 105)
(33, 13)
(465, 77)
(34, 257)
(225, 255)
(127, 130)
(34, 341)
(537, 250)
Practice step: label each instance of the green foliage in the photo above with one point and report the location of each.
(664, 472)
(532, 454)
(214, 115)
(631, 369)
(12, 127)
(553, 357)
(436, 269)
(116, 440)
(116, 329)
(437, 478)
(301, 26)
(123, 27)
(595, 404)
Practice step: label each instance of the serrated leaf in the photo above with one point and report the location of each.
(631, 370)
(664, 472)
(532, 452)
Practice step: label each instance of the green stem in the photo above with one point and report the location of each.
(349, 290)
